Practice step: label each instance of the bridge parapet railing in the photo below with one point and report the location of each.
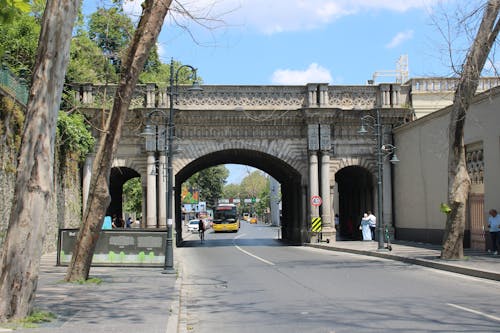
(226, 97)
(439, 84)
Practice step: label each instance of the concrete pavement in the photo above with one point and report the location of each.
(145, 300)
(129, 299)
(477, 263)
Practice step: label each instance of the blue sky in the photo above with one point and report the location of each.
(266, 42)
(261, 42)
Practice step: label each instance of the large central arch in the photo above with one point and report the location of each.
(291, 186)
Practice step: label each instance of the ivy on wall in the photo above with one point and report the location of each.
(74, 139)
(11, 127)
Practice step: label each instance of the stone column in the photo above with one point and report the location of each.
(151, 191)
(274, 202)
(312, 97)
(313, 181)
(323, 100)
(326, 207)
(162, 191)
(87, 174)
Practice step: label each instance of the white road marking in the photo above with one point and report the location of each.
(474, 311)
(251, 254)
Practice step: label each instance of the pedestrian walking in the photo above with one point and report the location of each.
(494, 226)
(373, 223)
(365, 228)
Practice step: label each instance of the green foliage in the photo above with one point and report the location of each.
(444, 208)
(38, 316)
(111, 30)
(88, 281)
(232, 191)
(132, 196)
(87, 62)
(255, 185)
(10, 10)
(265, 202)
(18, 44)
(74, 136)
(210, 183)
(11, 128)
(157, 73)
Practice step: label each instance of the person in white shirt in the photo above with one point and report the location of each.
(494, 225)
(373, 223)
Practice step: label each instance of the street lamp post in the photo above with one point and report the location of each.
(169, 127)
(382, 150)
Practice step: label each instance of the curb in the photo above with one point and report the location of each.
(175, 307)
(416, 261)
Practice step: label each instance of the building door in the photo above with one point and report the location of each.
(475, 216)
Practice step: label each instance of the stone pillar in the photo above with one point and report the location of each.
(87, 174)
(313, 181)
(274, 202)
(326, 207)
(151, 191)
(87, 97)
(396, 95)
(162, 191)
(312, 97)
(150, 95)
(323, 100)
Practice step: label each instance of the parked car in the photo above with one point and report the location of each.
(253, 220)
(193, 225)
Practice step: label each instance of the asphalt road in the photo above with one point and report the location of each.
(250, 282)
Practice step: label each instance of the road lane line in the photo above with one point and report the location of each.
(250, 254)
(474, 311)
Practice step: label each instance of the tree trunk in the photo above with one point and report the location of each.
(153, 14)
(458, 177)
(34, 188)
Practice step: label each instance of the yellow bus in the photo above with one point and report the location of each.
(225, 218)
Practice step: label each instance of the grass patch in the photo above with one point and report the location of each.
(38, 317)
(82, 281)
(32, 321)
(93, 280)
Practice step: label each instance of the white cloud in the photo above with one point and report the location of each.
(400, 38)
(276, 16)
(313, 74)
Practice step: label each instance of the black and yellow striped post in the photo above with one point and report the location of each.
(316, 225)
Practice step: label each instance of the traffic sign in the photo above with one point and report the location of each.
(316, 200)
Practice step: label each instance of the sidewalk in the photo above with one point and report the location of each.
(128, 300)
(477, 263)
(147, 301)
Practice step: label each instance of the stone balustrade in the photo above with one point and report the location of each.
(225, 97)
(439, 84)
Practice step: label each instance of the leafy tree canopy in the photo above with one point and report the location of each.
(210, 183)
(18, 44)
(11, 9)
(132, 196)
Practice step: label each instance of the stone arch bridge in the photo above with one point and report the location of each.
(306, 137)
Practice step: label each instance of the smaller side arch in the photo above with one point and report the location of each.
(356, 191)
(118, 177)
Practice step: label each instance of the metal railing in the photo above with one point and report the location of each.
(13, 85)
